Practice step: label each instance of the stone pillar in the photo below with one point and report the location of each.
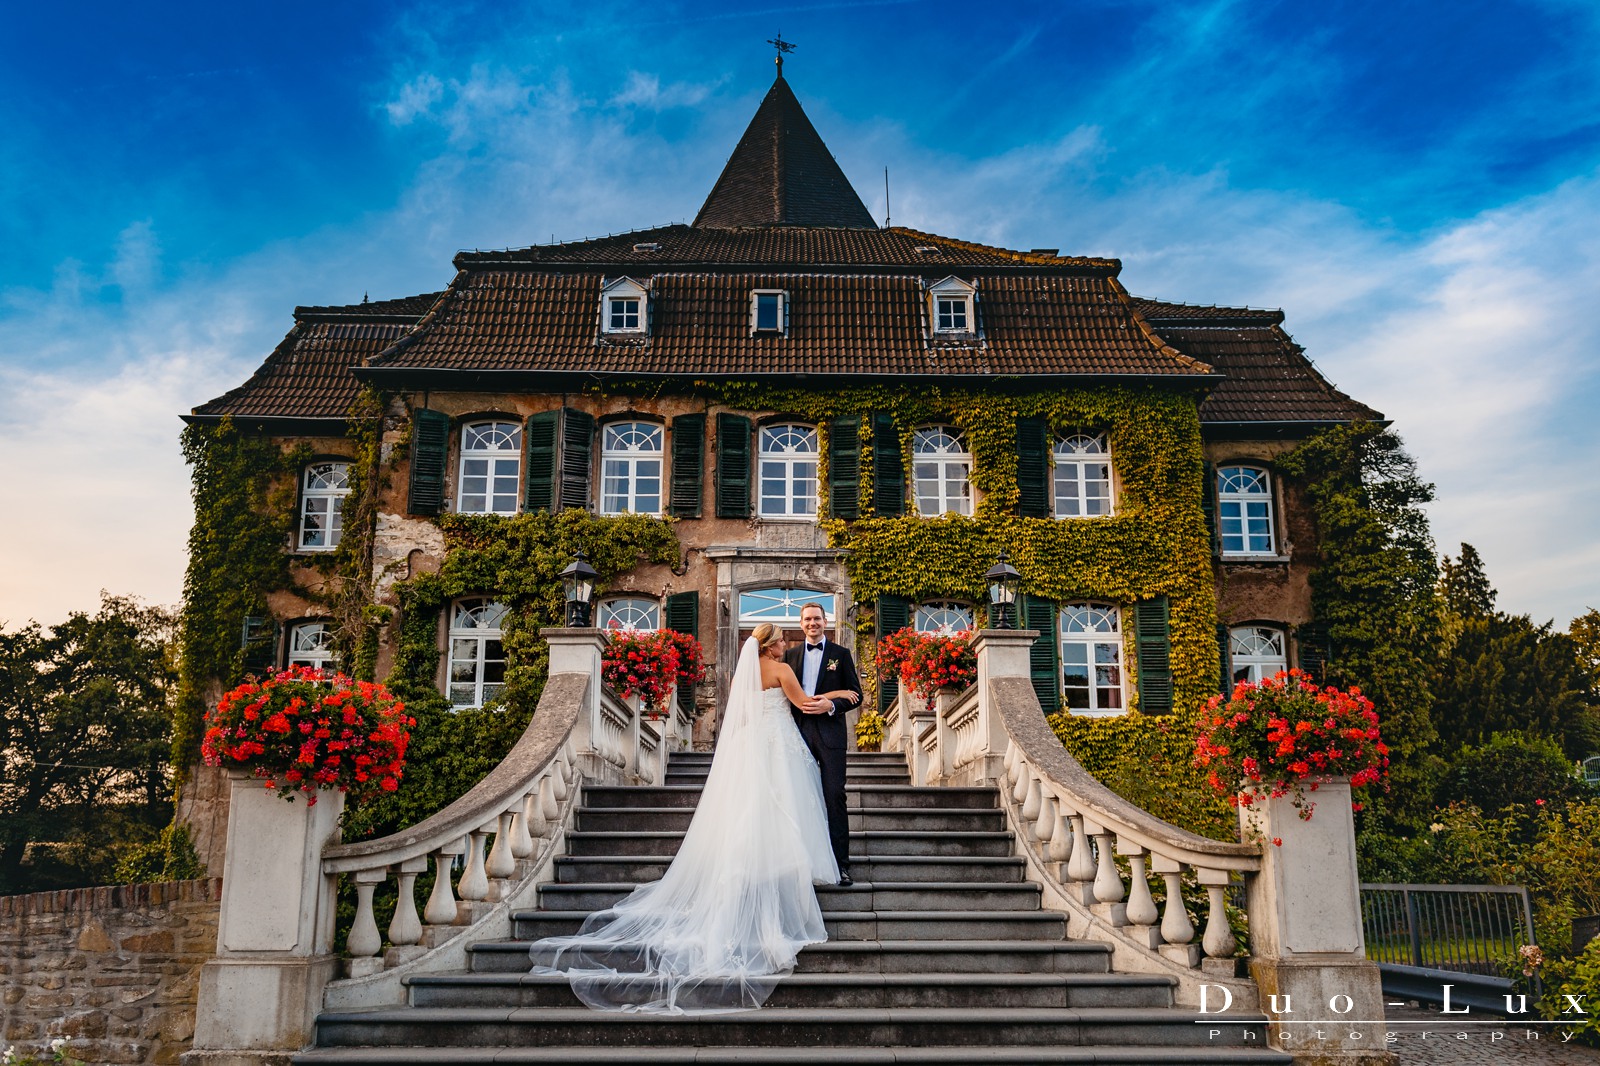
(577, 651)
(260, 995)
(1001, 653)
(1307, 950)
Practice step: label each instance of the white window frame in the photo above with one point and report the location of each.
(630, 614)
(475, 651)
(781, 329)
(310, 645)
(624, 289)
(1258, 652)
(782, 606)
(1100, 644)
(954, 290)
(943, 617)
(632, 454)
(939, 465)
(1071, 480)
(782, 464)
(1244, 504)
(323, 487)
(502, 467)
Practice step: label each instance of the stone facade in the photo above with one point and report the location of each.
(113, 969)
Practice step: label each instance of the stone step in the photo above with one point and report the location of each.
(860, 925)
(862, 896)
(676, 819)
(1127, 1055)
(863, 757)
(813, 990)
(877, 869)
(882, 956)
(1015, 1027)
(851, 777)
(864, 843)
(866, 797)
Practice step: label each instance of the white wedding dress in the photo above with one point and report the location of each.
(737, 904)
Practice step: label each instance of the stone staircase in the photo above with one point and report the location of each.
(940, 953)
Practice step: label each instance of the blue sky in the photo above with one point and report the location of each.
(1417, 185)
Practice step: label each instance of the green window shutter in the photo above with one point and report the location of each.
(688, 465)
(258, 639)
(539, 440)
(1208, 504)
(1155, 655)
(893, 614)
(1044, 662)
(844, 468)
(577, 447)
(1224, 660)
(430, 450)
(1315, 649)
(888, 469)
(682, 615)
(1033, 467)
(733, 466)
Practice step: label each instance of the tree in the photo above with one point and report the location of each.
(1375, 591)
(1464, 586)
(1585, 634)
(84, 738)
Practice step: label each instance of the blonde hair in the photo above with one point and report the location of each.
(766, 635)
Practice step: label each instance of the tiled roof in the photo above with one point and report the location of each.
(308, 373)
(815, 248)
(545, 321)
(1267, 375)
(781, 174)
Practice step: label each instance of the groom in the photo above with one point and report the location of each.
(822, 666)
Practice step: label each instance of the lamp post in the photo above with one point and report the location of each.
(578, 582)
(1002, 578)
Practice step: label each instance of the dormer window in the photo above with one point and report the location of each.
(624, 307)
(952, 312)
(769, 311)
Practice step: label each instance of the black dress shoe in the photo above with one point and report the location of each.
(845, 880)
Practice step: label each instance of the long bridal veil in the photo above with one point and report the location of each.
(735, 907)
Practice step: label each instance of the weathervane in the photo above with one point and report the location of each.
(783, 47)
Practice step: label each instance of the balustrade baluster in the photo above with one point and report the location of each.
(364, 940)
(1030, 804)
(1217, 940)
(1141, 904)
(533, 808)
(474, 883)
(547, 799)
(1024, 776)
(1080, 867)
(441, 908)
(1060, 849)
(1107, 878)
(1176, 928)
(1045, 826)
(1010, 763)
(406, 927)
(521, 842)
(558, 775)
(502, 863)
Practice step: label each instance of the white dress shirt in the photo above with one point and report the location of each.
(811, 667)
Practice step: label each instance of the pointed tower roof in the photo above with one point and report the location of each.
(781, 174)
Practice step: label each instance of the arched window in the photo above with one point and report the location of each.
(323, 488)
(311, 645)
(630, 458)
(781, 606)
(942, 616)
(1083, 477)
(477, 654)
(788, 472)
(630, 614)
(1256, 652)
(1244, 510)
(491, 466)
(941, 465)
(1091, 658)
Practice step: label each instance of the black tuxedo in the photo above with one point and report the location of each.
(826, 736)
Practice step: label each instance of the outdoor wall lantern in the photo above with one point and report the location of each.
(578, 581)
(1002, 578)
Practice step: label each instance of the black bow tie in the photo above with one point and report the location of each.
(813, 647)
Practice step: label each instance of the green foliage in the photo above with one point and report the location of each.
(1579, 978)
(83, 741)
(1464, 585)
(1510, 769)
(1375, 589)
(243, 489)
(869, 730)
(518, 560)
(1585, 634)
(170, 857)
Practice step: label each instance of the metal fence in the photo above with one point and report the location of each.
(1423, 936)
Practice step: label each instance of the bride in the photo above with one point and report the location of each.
(726, 921)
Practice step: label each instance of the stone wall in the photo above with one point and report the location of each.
(115, 969)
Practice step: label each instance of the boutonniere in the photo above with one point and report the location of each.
(833, 664)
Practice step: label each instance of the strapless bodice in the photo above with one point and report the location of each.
(773, 699)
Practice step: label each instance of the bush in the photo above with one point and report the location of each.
(1578, 977)
(1512, 768)
(170, 857)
